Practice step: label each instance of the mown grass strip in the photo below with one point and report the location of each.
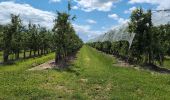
(92, 76)
(27, 63)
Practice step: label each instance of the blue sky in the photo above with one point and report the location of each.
(94, 17)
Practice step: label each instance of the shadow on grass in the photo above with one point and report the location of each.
(68, 65)
(156, 68)
(11, 62)
(68, 70)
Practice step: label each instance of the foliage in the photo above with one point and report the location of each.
(65, 39)
(16, 38)
(150, 45)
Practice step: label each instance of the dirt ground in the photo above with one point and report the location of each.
(48, 65)
(51, 64)
(122, 63)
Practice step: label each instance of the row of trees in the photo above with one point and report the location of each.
(15, 38)
(66, 40)
(150, 45)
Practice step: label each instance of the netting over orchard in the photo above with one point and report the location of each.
(120, 33)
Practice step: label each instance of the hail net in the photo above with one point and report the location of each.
(161, 17)
(119, 33)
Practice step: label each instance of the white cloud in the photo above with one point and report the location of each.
(27, 13)
(82, 28)
(143, 1)
(162, 4)
(159, 18)
(75, 7)
(44, 18)
(117, 18)
(129, 10)
(100, 5)
(86, 32)
(123, 21)
(113, 16)
(90, 21)
(54, 1)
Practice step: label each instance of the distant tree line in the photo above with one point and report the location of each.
(150, 45)
(16, 39)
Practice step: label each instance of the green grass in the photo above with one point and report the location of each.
(1, 55)
(91, 76)
(13, 56)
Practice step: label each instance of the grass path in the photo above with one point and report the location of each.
(91, 76)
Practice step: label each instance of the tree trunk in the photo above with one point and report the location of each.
(47, 51)
(24, 54)
(5, 56)
(41, 51)
(150, 58)
(161, 59)
(17, 55)
(30, 53)
(34, 53)
(57, 57)
(44, 51)
(38, 52)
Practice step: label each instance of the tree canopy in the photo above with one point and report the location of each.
(150, 45)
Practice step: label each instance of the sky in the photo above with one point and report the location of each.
(94, 17)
